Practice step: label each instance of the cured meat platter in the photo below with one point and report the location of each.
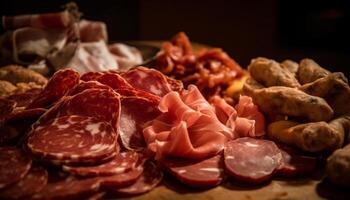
(84, 118)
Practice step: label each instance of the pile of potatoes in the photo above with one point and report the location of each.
(307, 107)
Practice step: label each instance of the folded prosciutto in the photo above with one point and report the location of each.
(190, 127)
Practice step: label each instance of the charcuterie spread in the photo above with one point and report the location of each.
(94, 129)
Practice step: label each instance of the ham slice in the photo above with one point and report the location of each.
(126, 56)
(92, 31)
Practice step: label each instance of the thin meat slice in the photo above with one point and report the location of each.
(23, 99)
(150, 178)
(22, 115)
(6, 106)
(149, 80)
(91, 76)
(120, 164)
(127, 91)
(87, 85)
(251, 160)
(294, 163)
(73, 138)
(113, 80)
(60, 83)
(70, 188)
(135, 113)
(14, 165)
(33, 182)
(196, 173)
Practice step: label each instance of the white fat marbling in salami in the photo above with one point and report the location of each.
(73, 138)
(14, 165)
(196, 173)
(118, 165)
(33, 182)
(251, 160)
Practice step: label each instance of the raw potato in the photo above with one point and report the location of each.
(311, 137)
(334, 89)
(310, 71)
(338, 167)
(16, 74)
(270, 73)
(291, 66)
(292, 102)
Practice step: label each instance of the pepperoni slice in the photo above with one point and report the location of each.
(87, 85)
(120, 164)
(70, 188)
(135, 113)
(91, 76)
(33, 182)
(149, 179)
(294, 163)
(60, 83)
(203, 173)
(149, 80)
(73, 138)
(14, 165)
(251, 160)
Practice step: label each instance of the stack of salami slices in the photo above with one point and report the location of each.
(88, 140)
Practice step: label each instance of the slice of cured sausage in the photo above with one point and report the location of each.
(59, 84)
(135, 113)
(87, 85)
(14, 165)
(33, 182)
(203, 173)
(120, 164)
(251, 160)
(73, 138)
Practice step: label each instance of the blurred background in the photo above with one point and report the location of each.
(277, 29)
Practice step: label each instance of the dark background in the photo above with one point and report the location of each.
(278, 29)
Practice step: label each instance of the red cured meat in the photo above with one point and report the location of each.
(70, 188)
(60, 83)
(194, 173)
(25, 98)
(23, 115)
(87, 85)
(135, 113)
(149, 80)
(120, 164)
(294, 163)
(6, 106)
(91, 76)
(14, 165)
(126, 91)
(73, 138)
(150, 178)
(48, 20)
(113, 80)
(251, 160)
(33, 182)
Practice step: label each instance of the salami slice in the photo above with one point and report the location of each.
(149, 80)
(91, 76)
(251, 160)
(294, 163)
(6, 106)
(22, 115)
(87, 85)
(149, 179)
(126, 91)
(70, 188)
(135, 113)
(14, 165)
(73, 138)
(113, 80)
(25, 98)
(59, 84)
(203, 173)
(33, 182)
(120, 164)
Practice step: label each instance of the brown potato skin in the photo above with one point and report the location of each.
(310, 71)
(269, 73)
(17, 74)
(291, 66)
(338, 167)
(292, 102)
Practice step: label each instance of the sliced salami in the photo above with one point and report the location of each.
(149, 80)
(70, 188)
(73, 138)
(251, 160)
(33, 182)
(294, 163)
(6, 106)
(149, 179)
(87, 85)
(59, 84)
(91, 76)
(14, 165)
(202, 173)
(126, 91)
(135, 113)
(121, 163)
(113, 80)
(25, 98)
(22, 115)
